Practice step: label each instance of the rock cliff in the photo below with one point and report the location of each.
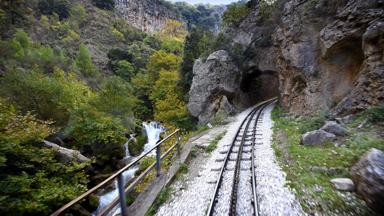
(147, 15)
(326, 55)
(215, 82)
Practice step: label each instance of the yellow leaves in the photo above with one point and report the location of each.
(173, 29)
(162, 60)
(117, 34)
(22, 128)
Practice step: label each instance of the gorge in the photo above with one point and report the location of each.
(88, 86)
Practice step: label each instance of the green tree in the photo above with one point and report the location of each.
(172, 45)
(52, 97)
(235, 13)
(195, 44)
(84, 62)
(99, 135)
(142, 86)
(115, 97)
(161, 60)
(169, 107)
(124, 69)
(32, 181)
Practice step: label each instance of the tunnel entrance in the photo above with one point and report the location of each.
(260, 85)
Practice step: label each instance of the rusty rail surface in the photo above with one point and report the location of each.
(120, 179)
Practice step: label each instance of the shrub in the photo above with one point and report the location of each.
(104, 4)
(123, 69)
(235, 13)
(376, 114)
(116, 99)
(32, 181)
(97, 134)
(135, 148)
(52, 97)
(314, 122)
(183, 169)
(84, 62)
(49, 7)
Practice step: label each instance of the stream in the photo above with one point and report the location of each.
(153, 131)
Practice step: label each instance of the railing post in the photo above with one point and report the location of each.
(123, 203)
(178, 142)
(158, 160)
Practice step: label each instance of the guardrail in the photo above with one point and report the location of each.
(120, 180)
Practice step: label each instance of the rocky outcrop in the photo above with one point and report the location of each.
(147, 15)
(317, 137)
(334, 128)
(328, 55)
(215, 86)
(368, 176)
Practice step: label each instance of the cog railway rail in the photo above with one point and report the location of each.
(235, 191)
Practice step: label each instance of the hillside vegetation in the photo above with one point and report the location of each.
(76, 74)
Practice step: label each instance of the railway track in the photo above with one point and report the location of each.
(235, 191)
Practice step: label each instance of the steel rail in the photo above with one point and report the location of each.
(248, 118)
(253, 174)
(218, 183)
(112, 177)
(236, 179)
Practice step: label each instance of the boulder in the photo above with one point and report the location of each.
(316, 137)
(343, 184)
(334, 128)
(214, 87)
(368, 176)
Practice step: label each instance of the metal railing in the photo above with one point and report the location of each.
(120, 180)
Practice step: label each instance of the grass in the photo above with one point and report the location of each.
(213, 144)
(310, 168)
(183, 169)
(160, 199)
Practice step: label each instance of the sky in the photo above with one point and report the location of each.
(214, 2)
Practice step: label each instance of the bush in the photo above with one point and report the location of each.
(59, 7)
(235, 13)
(51, 97)
(104, 4)
(84, 63)
(32, 181)
(135, 148)
(376, 114)
(313, 123)
(97, 134)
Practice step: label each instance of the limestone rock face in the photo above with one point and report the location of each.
(214, 86)
(334, 128)
(331, 57)
(317, 137)
(368, 176)
(326, 55)
(147, 15)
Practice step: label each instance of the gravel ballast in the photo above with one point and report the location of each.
(192, 193)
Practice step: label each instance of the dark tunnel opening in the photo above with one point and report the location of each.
(260, 85)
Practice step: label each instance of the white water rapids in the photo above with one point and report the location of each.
(153, 131)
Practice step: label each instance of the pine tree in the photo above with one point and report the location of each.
(84, 62)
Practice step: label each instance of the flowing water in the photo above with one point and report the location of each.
(153, 131)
